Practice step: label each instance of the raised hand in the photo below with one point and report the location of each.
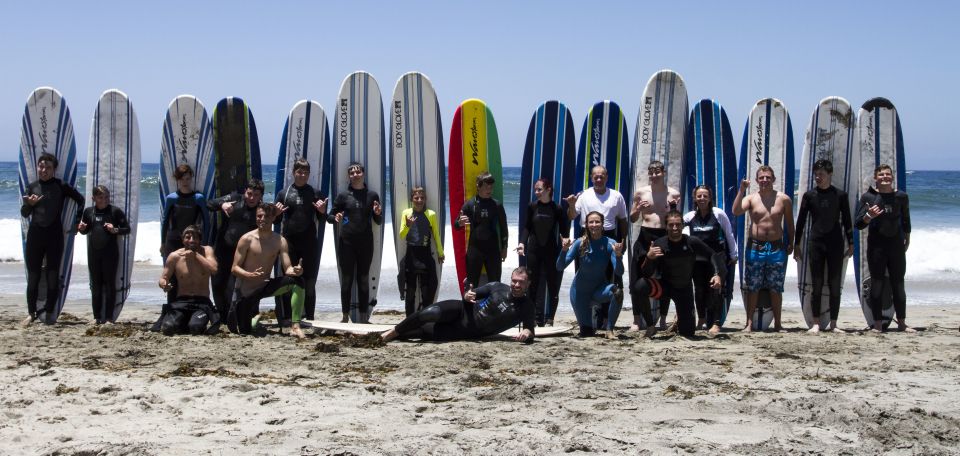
(654, 252)
(566, 244)
(572, 200)
(298, 269)
(227, 209)
(520, 250)
(411, 220)
(338, 217)
(32, 200)
(377, 209)
(281, 208)
(321, 205)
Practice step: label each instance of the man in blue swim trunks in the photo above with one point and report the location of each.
(766, 248)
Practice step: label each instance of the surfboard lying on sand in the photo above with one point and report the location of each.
(354, 328)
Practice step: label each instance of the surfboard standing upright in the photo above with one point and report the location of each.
(604, 142)
(358, 137)
(767, 140)
(474, 148)
(711, 160)
(306, 135)
(416, 151)
(187, 139)
(236, 148)
(113, 160)
(550, 152)
(879, 140)
(829, 137)
(47, 128)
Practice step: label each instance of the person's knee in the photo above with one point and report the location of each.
(169, 327)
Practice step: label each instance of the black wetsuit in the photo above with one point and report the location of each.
(190, 314)
(45, 240)
(244, 308)
(180, 211)
(242, 220)
(300, 230)
(641, 301)
(488, 236)
(829, 212)
(886, 251)
(355, 252)
(545, 224)
(496, 311)
(709, 302)
(676, 275)
(103, 255)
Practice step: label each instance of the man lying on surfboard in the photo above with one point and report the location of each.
(485, 311)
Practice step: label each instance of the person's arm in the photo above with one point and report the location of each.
(435, 227)
(73, 194)
(290, 269)
(201, 201)
(466, 210)
(802, 216)
(504, 233)
(564, 219)
(905, 220)
(651, 260)
(621, 219)
(845, 219)
(167, 273)
(566, 257)
(731, 240)
(573, 206)
(26, 208)
(216, 204)
(788, 219)
(484, 290)
(208, 260)
(375, 198)
(863, 218)
(404, 229)
(741, 204)
(527, 224)
(239, 256)
(527, 321)
(338, 207)
(85, 220)
(121, 224)
(168, 203)
(616, 258)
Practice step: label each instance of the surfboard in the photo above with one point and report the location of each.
(187, 139)
(711, 159)
(358, 137)
(603, 141)
(48, 128)
(236, 150)
(416, 151)
(829, 137)
(113, 160)
(767, 140)
(361, 329)
(306, 135)
(474, 148)
(879, 140)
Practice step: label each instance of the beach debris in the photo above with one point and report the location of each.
(114, 330)
(362, 341)
(64, 389)
(326, 347)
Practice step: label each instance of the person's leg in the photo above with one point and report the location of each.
(53, 253)
(640, 292)
(428, 284)
(364, 259)
(95, 268)
(582, 308)
(702, 273)
(753, 279)
(686, 311)
(174, 322)
(441, 312)
(604, 296)
(348, 268)
(493, 265)
(198, 323)
(33, 256)
(311, 269)
(474, 266)
(897, 268)
(110, 264)
(534, 271)
(817, 257)
(221, 282)
(877, 263)
(835, 282)
(777, 267)
(410, 298)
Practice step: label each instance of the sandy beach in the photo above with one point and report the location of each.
(75, 389)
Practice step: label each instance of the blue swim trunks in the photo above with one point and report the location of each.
(765, 266)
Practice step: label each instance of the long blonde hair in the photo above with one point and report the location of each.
(585, 240)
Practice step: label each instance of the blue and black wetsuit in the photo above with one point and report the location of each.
(496, 310)
(591, 286)
(242, 220)
(887, 235)
(300, 230)
(180, 210)
(45, 240)
(715, 231)
(103, 255)
(488, 236)
(829, 212)
(545, 224)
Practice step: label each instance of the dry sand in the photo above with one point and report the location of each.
(76, 389)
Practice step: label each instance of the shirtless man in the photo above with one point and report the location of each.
(256, 254)
(766, 248)
(652, 202)
(191, 309)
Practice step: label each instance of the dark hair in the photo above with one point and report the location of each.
(655, 165)
(882, 167)
(268, 209)
(823, 164)
(45, 157)
(673, 213)
(100, 189)
(193, 230)
(418, 189)
(703, 187)
(301, 163)
(182, 170)
(355, 164)
(521, 270)
(547, 183)
(485, 178)
(585, 240)
(255, 184)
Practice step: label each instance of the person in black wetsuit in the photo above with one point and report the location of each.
(484, 311)
(547, 227)
(354, 212)
(674, 256)
(240, 213)
(181, 208)
(711, 225)
(302, 207)
(488, 233)
(829, 212)
(43, 203)
(190, 310)
(885, 212)
(420, 229)
(102, 223)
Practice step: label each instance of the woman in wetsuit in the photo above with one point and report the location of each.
(419, 230)
(591, 287)
(355, 211)
(102, 223)
(711, 225)
(541, 236)
(181, 209)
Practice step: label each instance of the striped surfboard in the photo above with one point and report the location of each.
(878, 140)
(47, 128)
(829, 137)
(767, 140)
(187, 139)
(359, 137)
(603, 141)
(113, 160)
(474, 148)
(711, 160)
(416, 151)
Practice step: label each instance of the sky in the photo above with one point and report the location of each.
(512, 54)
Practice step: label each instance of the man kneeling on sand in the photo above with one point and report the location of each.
(191, 309)
(485, 311)
(256, 254)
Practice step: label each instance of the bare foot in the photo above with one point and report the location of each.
(904, 328)
(295, 331)
(672, 328)
(748, 327)
(610, 334)
(779, 328)
(389, 335)
(650, 331)
(838, 330)
(815, 329)
(550, 322)
(27, 321)
(634, 328)
(715, 329)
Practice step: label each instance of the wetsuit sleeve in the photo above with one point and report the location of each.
(337, 208)
(845, 216)
(435, 227)
(168, 203)
(73, 194)
(802, 217)
(87, 218)
(374, 197)
(404, 229)
(563, 219)
(730, 239)
(466, 209)
(484, 290)
(616, 262)
(201, 201)
(704, 250)
(26, 209)
(214, 205)
(528, 316)
(527, 225)
(648, 266)
(564, 259)
(504, 234)
(861, 213)
(905, 213)
(120, 219)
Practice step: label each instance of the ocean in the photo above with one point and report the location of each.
(932, 273)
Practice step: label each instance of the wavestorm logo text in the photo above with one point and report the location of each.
(183, 143)
(298, 143)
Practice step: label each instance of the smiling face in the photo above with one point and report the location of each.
(252, 197)
(542, 191)
(191, 241)
(595, 225)
(355, 174)
(101, 200)
(300, 176)
(419, 201)
(674, 227)
(264, 219)
(883, 178)
(702, 199)
(518, 284)
(598, 175)
(765, 180)
(655, 175)
(45, 170)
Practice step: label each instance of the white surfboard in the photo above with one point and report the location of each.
(829, 137)
(355, 328)
(187, 139)
(417, 159)
(47, 128)
(358, 136)
(767, 140)
(879, 140)
(113, 160)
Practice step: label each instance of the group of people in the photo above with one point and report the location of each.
(683, 258)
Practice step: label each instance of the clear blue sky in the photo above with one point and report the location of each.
(514, 55)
